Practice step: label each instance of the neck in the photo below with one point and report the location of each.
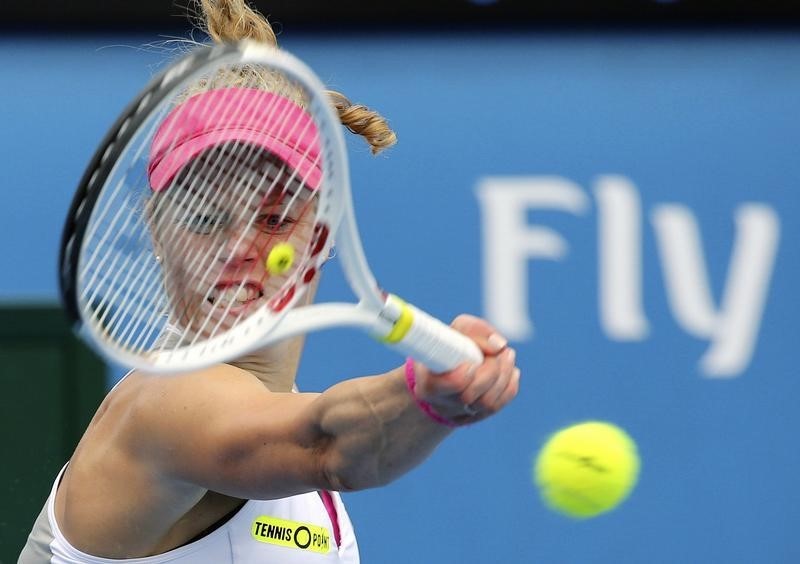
(275, 366)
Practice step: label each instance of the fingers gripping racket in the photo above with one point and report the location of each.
(205, 216)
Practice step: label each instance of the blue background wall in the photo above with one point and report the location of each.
(707, 122)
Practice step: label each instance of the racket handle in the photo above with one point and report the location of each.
(435, 344)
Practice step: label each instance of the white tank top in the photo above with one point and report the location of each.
(292, 530)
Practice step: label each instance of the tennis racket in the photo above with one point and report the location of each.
(206, 213)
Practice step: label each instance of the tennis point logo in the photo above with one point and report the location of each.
(291, 534)
(510, 241)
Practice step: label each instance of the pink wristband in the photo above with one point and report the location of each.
(427, 409)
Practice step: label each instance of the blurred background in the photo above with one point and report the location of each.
(614, 184)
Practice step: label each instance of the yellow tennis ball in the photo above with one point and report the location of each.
(280, 258)
(587, 469)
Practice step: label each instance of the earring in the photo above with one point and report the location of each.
(158, 259)
(331, 254)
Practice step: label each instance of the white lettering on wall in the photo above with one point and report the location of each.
(510, 242)
(619, 248)
(733, 328)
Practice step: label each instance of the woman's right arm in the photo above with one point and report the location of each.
(221, 429)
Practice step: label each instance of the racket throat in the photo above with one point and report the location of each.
(401, 317)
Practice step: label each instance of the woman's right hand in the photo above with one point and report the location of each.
(470, 393)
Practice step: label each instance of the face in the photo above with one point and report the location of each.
(215, 231)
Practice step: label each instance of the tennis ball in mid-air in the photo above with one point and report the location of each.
(280, 258)
(587, 469)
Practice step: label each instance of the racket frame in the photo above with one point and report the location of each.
(376, 312)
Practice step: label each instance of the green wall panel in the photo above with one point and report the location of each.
(50, 385)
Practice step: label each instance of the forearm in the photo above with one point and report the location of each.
(374, 431)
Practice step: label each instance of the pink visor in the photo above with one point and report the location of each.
(247, 115)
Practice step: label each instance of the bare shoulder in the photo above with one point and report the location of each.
(169, 409)
(221, 429)
(140, 412)
(116, 473)
(160, 396)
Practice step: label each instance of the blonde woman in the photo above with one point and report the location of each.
(229, 464)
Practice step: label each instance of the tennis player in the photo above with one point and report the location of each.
(230, 463)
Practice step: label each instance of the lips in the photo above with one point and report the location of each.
(235, 293)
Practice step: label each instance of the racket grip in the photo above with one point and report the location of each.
(435, 344)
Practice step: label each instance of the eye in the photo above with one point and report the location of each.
(205, 223)
(274, 223)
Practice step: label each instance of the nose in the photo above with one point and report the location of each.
(241, 245)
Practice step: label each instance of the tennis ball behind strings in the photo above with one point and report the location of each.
(586, 469)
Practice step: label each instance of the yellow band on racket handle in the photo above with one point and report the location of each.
(402, 325)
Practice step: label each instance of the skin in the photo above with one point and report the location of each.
(166, 457)
(215, 238)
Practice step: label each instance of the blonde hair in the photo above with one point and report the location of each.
(228, 21)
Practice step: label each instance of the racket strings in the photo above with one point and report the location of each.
(238, 161)
(203, 185)
(133, 296)
(120, 191)
(228, 250)
(104, 293)
(115, 268)
(104, 254)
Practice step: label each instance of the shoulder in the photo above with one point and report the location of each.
(180, 422)
(163, 400)
(223, 430)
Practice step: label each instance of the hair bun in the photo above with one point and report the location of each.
(229, 21)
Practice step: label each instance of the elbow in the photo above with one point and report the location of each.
(333, 470)
(343, 473)
(336, 481)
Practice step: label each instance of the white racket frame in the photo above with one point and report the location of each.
(425, 337)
